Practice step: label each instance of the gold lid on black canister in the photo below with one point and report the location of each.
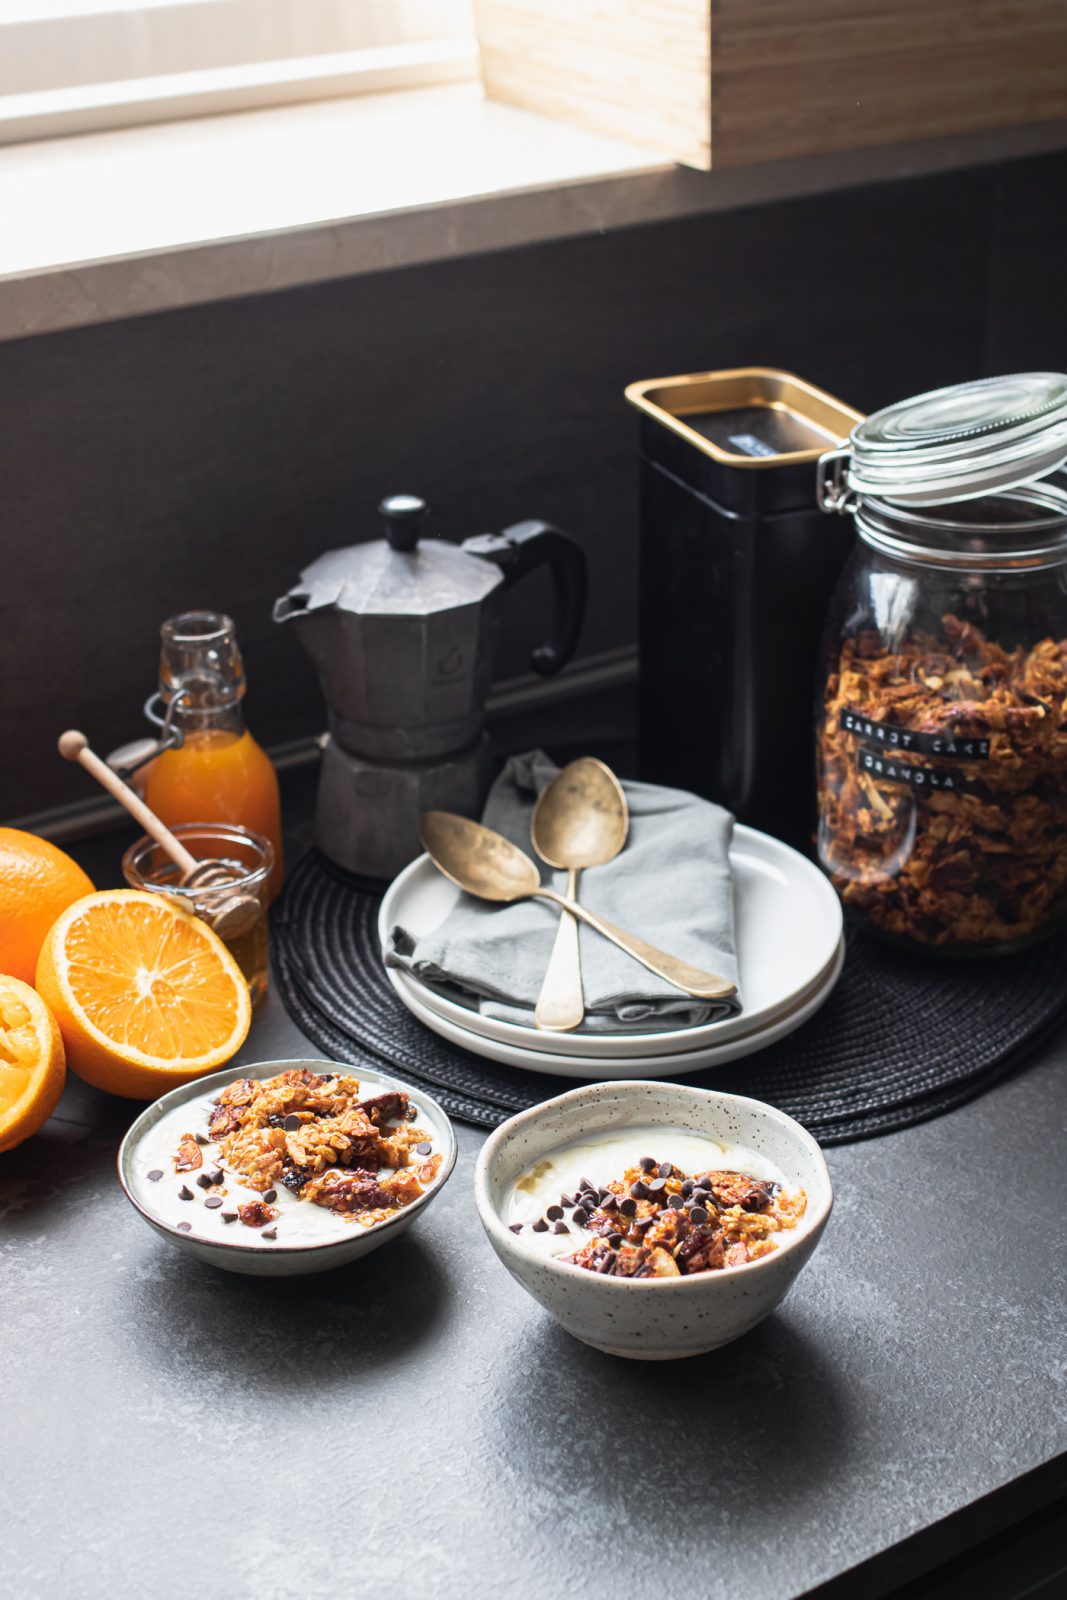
(747, 417)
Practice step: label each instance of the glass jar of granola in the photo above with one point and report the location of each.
(941, 722)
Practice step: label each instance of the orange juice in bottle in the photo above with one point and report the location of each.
(218, 773)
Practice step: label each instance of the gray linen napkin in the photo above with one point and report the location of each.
(670, 884)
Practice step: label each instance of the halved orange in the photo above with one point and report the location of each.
(145, 994)
(32, 1066)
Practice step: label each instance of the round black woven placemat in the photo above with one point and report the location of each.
(902, 1038)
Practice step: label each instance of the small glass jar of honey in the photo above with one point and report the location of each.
(250, 857)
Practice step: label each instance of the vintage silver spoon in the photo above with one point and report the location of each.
(485, 864)
(581, 820)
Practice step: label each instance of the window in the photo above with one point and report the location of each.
(69, 66)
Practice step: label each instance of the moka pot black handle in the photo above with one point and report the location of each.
(518, 551)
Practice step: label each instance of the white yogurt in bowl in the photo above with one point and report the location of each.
(301, 1237)
(603, 1158)
(598, 1133)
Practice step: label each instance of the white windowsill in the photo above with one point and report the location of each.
(110, 225)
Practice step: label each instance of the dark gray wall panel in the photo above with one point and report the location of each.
(200, 457)
(1027, 322)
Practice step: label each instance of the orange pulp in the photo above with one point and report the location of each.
(219, 776)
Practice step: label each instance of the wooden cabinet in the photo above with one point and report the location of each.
(729, 82)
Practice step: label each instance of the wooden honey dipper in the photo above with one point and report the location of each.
(231, 916)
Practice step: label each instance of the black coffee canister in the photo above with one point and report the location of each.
(737, 566)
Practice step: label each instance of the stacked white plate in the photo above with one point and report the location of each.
(790, 949)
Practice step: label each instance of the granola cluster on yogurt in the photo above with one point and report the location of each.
(943, 785)
(657, 1221)
(315, 1136)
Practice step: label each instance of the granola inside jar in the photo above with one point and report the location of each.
(941, 722)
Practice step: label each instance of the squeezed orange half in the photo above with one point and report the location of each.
(32, 1069)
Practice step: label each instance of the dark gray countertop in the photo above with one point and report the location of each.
(415, 1419)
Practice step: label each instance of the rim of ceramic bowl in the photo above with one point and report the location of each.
(814, 1221)
(259, 1069)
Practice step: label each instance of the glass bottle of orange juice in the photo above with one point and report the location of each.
(218, 773)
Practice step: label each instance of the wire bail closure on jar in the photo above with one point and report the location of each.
(832, 491)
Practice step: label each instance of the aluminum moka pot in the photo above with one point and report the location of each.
(402, 631)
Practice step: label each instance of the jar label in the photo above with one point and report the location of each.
(956, 746)
(898, 769)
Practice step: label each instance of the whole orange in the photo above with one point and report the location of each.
(37, 882)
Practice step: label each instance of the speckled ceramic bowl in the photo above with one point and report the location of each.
(646, 1318)
(279, 1260)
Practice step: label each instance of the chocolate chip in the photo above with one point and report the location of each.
(676, 1202)
(155, 1174)
(666, 1170)
(270, 1197)
(292, 1122)
(698, 1215)
(229, 1216)
(657, 1186)
(628, 1207)
(615, 1239)
(581, 1216)
(554, 1213)
(561, 1227)
(269, 1233)
(589, 1197)
(568, 1200)
(540, 1226)
(647, 1164)
(213, 1202)
(185, 1227)
(423, 1147)
(204, 1180)
(639, 1190)
(202, 1138)
(584, 1184)
(516, 1227)
(608, 1201)
(687, 1187)
(184, 1193)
